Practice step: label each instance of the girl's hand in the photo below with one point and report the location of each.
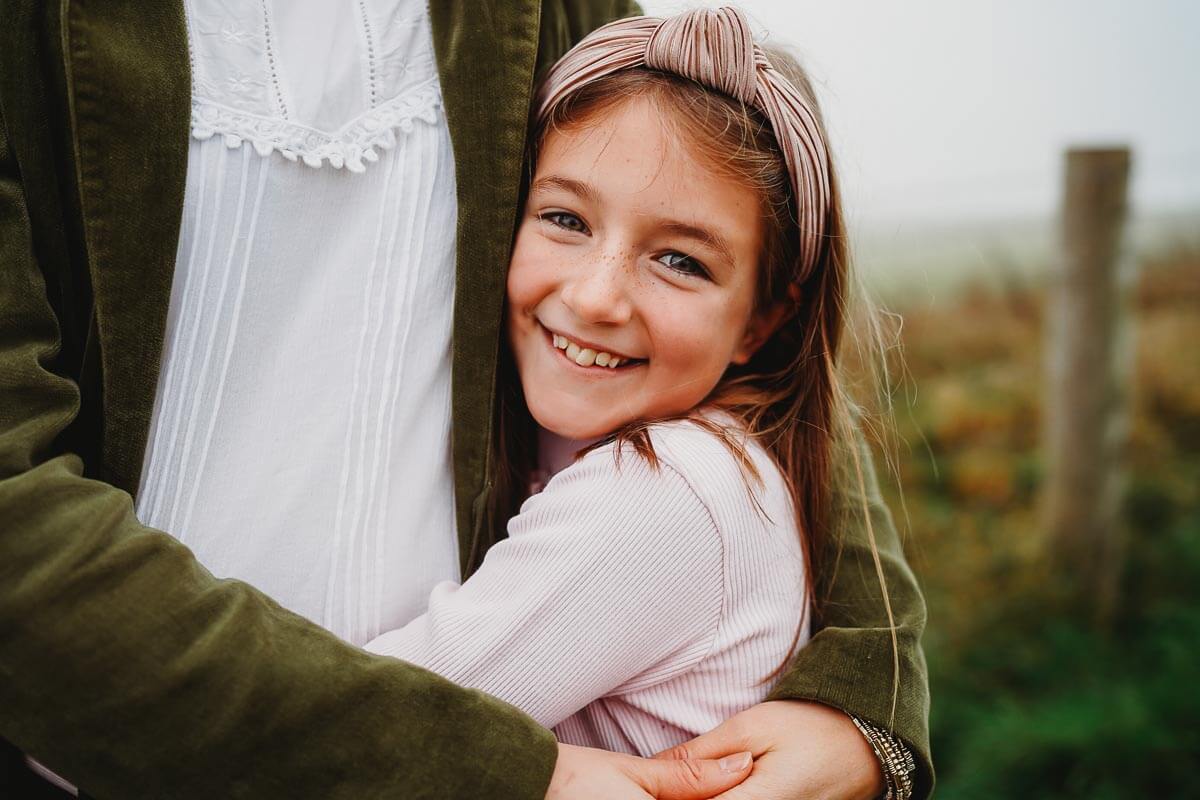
(802, 751)
(584, 773)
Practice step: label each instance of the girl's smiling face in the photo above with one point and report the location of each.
(631, 248)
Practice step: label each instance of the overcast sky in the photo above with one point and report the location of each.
(951, 110)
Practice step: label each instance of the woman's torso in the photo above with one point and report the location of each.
(301, 432)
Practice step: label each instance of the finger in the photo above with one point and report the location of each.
(728, 737)
(691, 779)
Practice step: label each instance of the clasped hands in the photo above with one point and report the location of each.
(779, 750)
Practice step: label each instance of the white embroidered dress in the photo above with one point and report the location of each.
(300, 438)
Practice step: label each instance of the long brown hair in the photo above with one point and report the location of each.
(789, 396)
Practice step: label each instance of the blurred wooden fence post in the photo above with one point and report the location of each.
(1089, 368)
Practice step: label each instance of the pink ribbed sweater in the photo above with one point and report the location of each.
(630, 608)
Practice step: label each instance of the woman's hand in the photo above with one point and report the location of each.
(583, 773)
(802, 751)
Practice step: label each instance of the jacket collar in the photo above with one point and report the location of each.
(129, 97)
(486, 53)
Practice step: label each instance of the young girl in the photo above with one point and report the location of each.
(675, 304)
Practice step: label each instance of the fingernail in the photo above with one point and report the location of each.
(734, 763)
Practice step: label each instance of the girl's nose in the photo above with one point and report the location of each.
(598, 292)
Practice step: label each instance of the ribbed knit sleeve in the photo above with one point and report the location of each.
(608, 575)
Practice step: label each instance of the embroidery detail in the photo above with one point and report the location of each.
(348, 147)
(272, 62)
(240, 88)
(243, 86)
(235, 35)
(370, 41)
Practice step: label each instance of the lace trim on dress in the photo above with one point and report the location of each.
(348, 147)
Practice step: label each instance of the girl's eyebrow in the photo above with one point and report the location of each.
(583, 190)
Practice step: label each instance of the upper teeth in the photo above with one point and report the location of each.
(586, 356)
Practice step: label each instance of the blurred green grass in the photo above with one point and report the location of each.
(1029, 699)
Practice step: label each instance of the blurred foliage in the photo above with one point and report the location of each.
(1029, 701)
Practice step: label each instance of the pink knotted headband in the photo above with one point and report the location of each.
(716, 49)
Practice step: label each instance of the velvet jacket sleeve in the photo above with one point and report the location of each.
(852, 662)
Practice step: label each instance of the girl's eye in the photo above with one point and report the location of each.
(565, 220)
(684, 264)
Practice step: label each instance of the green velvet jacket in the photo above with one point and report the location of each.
(124, 664)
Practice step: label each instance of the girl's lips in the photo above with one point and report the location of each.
(586, 344)
(592, 369)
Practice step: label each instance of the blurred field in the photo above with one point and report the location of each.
(1030, 699)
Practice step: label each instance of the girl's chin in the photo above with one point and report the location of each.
(569, 423)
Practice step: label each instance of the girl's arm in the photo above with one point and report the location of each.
(609, 574)
(812, 749)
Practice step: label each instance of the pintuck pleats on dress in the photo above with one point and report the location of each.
(300, 437)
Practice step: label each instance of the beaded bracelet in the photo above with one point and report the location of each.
(895, 759)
